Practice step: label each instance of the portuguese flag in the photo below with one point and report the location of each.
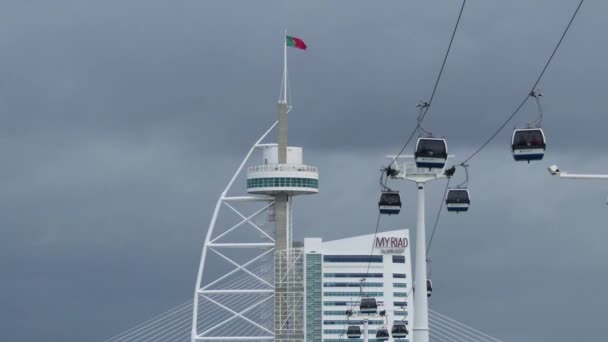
(295, 42)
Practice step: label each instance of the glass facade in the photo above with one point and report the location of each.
(343, 264)
(313, 298)
(282, 182)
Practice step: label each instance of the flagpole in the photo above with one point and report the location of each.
(284, 99)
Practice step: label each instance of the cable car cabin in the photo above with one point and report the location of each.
(353, 331)
(368, 306)
(429, 287)
(431, 153)
(389, 203)
(528, 144)
(382, 334)
(399, 330)
(458, 200)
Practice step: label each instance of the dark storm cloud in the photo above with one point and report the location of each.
(122, 120)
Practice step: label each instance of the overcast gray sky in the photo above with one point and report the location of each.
(121, 121)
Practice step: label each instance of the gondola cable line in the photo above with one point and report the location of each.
(532, 93)
(428, 103)
(532, 89)
(422, 115)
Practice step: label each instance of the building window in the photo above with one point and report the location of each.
(352, 322)
(399, 275)
(360, 339)
(400, 285)
(283, 182)
(399, 259)
(352, 275)
(400, 304)
(334, 312)
(343, 332)
(400, 294)
(330, 303)
(352, 258)
(365, 284)
(353, 294)
(347, 303)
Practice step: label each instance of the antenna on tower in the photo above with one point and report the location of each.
(283, 94)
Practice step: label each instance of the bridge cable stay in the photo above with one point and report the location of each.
(182, 322)
(139, 327)
(445, 329)
(451, 337)
(236, 326)
(469, 332)
(456, 333)
(177, 328)
(162, 326)
(435, 337)
(174, 316)
(462, 325)
(448, 336)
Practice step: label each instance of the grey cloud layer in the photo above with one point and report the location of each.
(122, 120)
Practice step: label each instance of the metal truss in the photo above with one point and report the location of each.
(289, 303)
(233, 299)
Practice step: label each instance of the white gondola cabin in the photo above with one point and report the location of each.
(353, 331)
(528, 144)
(399, 330)
(368, 306)
(382, 334)
(431, 153)
(389, 203)
(458, 200)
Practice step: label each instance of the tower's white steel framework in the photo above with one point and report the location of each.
(261, 296)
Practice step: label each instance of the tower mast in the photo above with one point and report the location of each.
(282, 199)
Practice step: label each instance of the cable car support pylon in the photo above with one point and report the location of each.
(409, 170)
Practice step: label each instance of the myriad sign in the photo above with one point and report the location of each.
(391, 245)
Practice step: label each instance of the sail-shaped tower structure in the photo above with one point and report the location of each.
(250, 280)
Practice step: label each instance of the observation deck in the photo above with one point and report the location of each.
(289, 179)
